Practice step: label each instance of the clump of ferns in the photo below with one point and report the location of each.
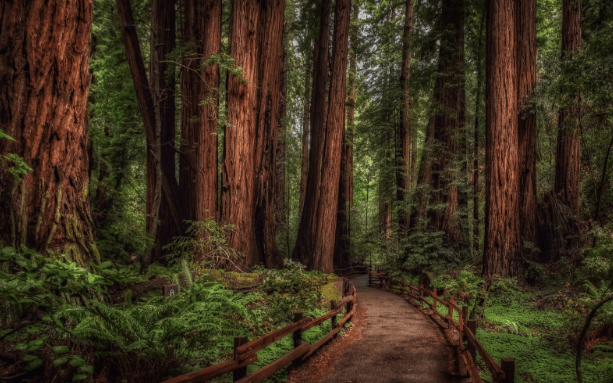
(186, 325)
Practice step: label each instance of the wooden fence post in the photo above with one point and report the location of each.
(332, 308)
(239, 373)
(434, 296)
(508, 367)
(464, 321)
(472, 326)
(297, 335)
(449, 312)
(421, 292)
(370, 278)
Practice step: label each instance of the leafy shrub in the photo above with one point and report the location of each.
(427, 250)
(206, 242)
(505, 291)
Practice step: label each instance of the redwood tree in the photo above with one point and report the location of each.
(449, 120)
(502, 249)
(315, 242)
(345, 194)
(199, 108)
(526, 72)
(402, 172)
(569, 147)
(44, 50)
(163, 41)
(247, 198)
(303, 249)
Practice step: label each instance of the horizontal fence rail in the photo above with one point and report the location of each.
(503, 373)
(245, 353)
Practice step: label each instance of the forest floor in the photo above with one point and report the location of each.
(391, 341)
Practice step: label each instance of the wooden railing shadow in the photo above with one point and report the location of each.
(503, 373)
(245, 353)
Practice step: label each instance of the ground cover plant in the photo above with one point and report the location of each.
(59, 320)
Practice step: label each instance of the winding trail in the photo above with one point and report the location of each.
(398, 344)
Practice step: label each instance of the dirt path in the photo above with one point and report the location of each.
(397, 343)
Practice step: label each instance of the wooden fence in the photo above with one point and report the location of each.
(245, 353)
(503, 373)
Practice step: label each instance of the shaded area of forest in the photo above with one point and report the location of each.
(148, 142)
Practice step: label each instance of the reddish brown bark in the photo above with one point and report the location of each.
(448, 122)
(526, 71)
(319, 239)
(281, 207)
(304, 243)
(270, 67)
(502, 250)
(403, 167)
(248, 193)
(568, 148)
(199, 108)
(44, 72)
(345, 196)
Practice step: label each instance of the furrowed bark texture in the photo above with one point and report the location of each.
(248, 192)
(281, 206)
(321, 236)
(568, 148)
(345, 196)
(404, 155)
(449, 121)
(163, 41)
(526, 71)
(200, 103)
(269, 89)
(304, 249)
(502, 233)
(44, 72)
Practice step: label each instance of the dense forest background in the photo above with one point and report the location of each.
(468, 142)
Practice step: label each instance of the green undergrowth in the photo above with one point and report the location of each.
(61, 320)
(539, 342)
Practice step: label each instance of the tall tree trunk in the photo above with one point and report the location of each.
(403, 167)
(270, 67)
(526, 72)
(345, 197)
(169, 185)
(281, 204)
(304, 162)
(249, 164)
(476, 221)
(238, 173)
(424, 180)
(44, 51)
(304, 243)
(448, 122)
(320, 236)
(163, 38)
(199, 108)
(569, 149)
(502, 250)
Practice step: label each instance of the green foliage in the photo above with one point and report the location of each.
(427, 251)
(506, 291)
(466, 282)
(205, 241)
(15, 164)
